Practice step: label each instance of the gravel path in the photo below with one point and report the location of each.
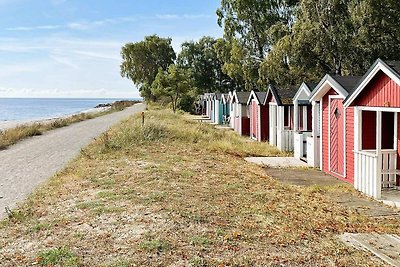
(27, 164)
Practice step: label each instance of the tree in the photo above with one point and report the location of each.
(377, 27)
(141, 61)
(201, 57)
(341, 37)
(174, 83)
(252, 27)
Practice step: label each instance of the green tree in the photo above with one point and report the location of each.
(320, 41)
(377, 28)
(253, 27)
(174, 83)
(142, 60)
(201, 57)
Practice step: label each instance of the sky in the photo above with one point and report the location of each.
(71, 48)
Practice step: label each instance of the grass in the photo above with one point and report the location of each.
(170, 194)
(13, 135)
(57, 256)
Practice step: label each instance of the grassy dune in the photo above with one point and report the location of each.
(178, 193)
(13, 135)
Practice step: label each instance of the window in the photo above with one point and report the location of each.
(337, 113)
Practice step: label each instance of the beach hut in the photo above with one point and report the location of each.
(302, 120)
(226, 108)
(231, 110)
(372, 132)
(259, 119)
(281, 123)
(218, 110)
(211, 106)
(327, 145)
(240, 112)
(200, 105)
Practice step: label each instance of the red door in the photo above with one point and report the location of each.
(336, 136)
(254, 118)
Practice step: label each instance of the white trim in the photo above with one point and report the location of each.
(305, 117)
(383, 109)
(303, 88)
(356, 126)
(395, 131)
(380, 66)
(320, 134)
(378, 186)
(296, 121)
(327, 83)
(344, 144)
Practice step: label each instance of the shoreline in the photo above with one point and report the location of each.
(5, 125)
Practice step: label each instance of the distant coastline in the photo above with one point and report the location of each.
(27, 109)
(18, 111)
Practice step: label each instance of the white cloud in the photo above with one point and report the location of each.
(183, 16)
(76, 25)
(86, 25)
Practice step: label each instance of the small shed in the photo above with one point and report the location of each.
(281, 111)
(211, 106)
(231, 112)
(226, 108)
(259, 116)
(241, 112)
(373, 131)
(328, 145)
(302, 119)
(218, 108)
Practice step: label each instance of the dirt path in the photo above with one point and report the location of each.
(307, 178)
(25, 165)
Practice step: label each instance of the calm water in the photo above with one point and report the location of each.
(21, 109)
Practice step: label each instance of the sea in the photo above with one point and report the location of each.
(27, 109)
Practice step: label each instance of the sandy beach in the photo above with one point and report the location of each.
(4, 125)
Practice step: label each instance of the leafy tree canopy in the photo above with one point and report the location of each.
(201, 57)
(173, 83)
(142, 60)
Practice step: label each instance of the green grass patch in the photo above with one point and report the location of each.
(58, 257)
(154, 245)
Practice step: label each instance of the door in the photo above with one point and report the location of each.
(336, 151)
(254, 118)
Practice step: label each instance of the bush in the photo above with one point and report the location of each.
(186, 103)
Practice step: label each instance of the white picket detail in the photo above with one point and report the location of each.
(285, 140)
(365, 176)
(389, 171)
(368, 178)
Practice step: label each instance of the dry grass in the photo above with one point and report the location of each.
(168, 195)
(13, 135)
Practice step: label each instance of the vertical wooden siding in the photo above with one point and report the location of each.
(380, 92)
(398, 146)
(325, 137)
(325, 131)
(350, 144)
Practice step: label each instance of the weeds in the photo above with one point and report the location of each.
(154, 245)
(167, 127)
(58, 256)
(174, 197)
